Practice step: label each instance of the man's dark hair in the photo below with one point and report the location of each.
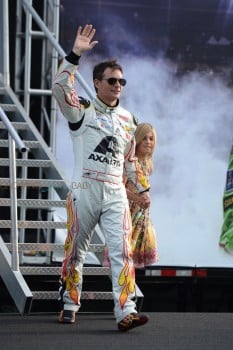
(100, 68)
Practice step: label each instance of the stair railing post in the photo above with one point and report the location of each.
(14, 215)
(5, 37)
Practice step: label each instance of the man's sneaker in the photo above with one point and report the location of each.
(131, 321)
(67, 316)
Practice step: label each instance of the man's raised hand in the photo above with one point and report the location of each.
(83, 41)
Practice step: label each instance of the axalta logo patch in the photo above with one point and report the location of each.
(107, 151)
(108, 145)
(103, 159)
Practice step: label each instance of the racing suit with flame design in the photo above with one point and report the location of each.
(103, 147)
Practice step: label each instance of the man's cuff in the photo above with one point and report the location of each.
(73, 58)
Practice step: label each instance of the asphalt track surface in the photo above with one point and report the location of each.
(165, 331)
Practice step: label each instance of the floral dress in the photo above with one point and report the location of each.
(143, 238)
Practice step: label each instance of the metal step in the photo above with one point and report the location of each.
(9, 107)
(50, 247)
(34, 224)
(44, 295)
(16, 125)
(46, 270)
(33, 182)
(34, 203)
(28, 144)
(39, 163)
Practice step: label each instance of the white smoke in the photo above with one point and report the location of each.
(193, 117)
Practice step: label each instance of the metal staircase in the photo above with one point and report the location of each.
(30, 194)
(35, 202)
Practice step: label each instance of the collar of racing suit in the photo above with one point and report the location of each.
(102, 107)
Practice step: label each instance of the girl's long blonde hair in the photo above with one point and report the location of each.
(140, 132)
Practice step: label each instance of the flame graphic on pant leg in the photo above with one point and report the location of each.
(127, 281)
(127, 275)
(70, 275)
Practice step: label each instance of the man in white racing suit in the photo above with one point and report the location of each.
(103, 145)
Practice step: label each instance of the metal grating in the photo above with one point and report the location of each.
(38, 163)
(51, 247)
(33, 224)
(44, 270)
(43, 295)
(33, 203)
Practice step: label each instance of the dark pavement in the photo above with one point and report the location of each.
(165, 331)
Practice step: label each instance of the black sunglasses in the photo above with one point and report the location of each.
(112, 81)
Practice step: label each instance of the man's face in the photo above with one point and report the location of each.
(109, 92)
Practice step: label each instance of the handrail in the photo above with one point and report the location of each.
(14, 215)
(13, 138)
(55, 44)
(12, 131)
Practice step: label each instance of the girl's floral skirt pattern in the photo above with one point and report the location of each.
(143, 239)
